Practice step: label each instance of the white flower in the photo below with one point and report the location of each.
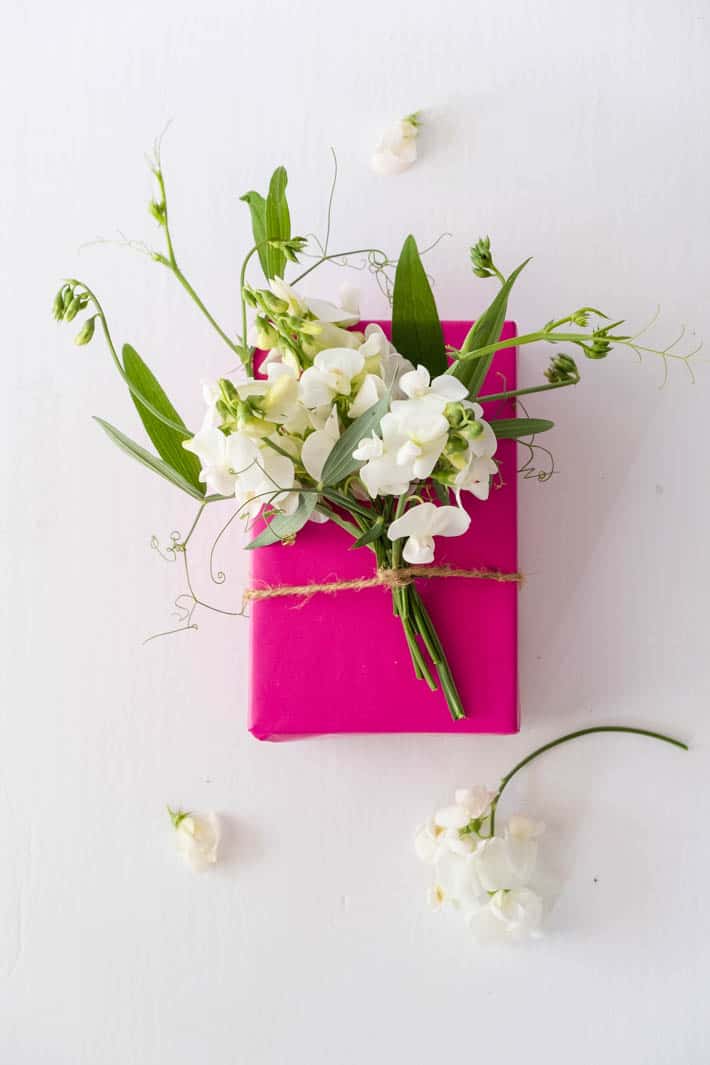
(319, 445)
(346, 313)
(197, 838)
(475, 477)
(397, 149)
(382, 474)
(278, 394)
(484, 445)
(508, 916)
(417, 384)
(296, 304)
(371, 390)
(330, 375)
(260, 474)
(421, 524)
(210, 446)
(424, 431)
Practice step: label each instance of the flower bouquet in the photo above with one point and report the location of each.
(392, 436)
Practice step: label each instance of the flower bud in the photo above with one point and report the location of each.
(456, 414)
(481, 258)
(562, 370)
(472, 430)
(86, 332)
(158, 211)
(58, 306)
(73, 309)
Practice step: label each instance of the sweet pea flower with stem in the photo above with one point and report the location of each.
(492, 878)
(421, 523)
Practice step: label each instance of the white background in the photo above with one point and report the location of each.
(574, 133)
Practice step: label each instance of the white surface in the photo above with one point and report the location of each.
(576, 133)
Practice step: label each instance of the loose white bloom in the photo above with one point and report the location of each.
(421, 524)
(397, 149)
(197, 838)
(493, 881)
(442, 390)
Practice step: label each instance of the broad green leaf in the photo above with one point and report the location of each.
(371, 534)
(416, 329)
(282, 526)
(511, 428)
(167, 441)
(486, 330)
(278, 221)
(147, 459)
(340, 462)
(257, 208)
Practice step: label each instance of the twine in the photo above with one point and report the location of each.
(383, 578)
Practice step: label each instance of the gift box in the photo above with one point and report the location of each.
(338, 662)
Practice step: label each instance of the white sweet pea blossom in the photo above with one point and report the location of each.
(346, 312)
(371, 390)
(421, 524)
(197, 837)
(236, 465)
(397, 149)
(442, 390)
(424, 431)
(278, 394)
(382, 473)
(319, 445)
(493, 881)
(330, 375)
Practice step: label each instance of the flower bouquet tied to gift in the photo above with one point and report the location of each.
(326, 419)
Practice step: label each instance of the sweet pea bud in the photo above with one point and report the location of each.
(58, 305)
(455, 413)
(266, 335)
(77, 304)
(472, 430)
(270, 303)
(481, 258)
(157, 209)
(86, 332)
(249, 296)
(562, 370)
(253, 426)
(228, 392)
(600, 346)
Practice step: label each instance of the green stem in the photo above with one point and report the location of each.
(524, 391)
(338, 255)
(172, 265)
(518, 342)
(573, 736)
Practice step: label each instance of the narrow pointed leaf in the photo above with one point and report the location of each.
(257, 207)
(167, 441)
(370, 535)
(278, 221)
(147, 459)
(282, 526)
(486, 330)
(416, 329)
(512, 428)
(340, 462)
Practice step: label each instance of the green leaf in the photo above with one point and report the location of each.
(511, 428)
(270, 220)
(340, 462)
(167, 441)
(370, 535)
(257, 209)
(486, 330)
(278, 221)
(416, 329)
(147, 459)
(283, 526)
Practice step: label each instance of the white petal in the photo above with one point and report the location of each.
(371, 390)
(449, 388)
(450, 521)
(209, 445)
(419, 551)
(316, 388)
(345, 361)
(476, 800)
(418, 520)
(452, 817)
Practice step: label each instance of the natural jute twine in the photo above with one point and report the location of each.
(384, 578)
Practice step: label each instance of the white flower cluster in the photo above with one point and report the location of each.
(263, 439)
(493, 881)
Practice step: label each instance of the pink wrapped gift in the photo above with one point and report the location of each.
(339, 662)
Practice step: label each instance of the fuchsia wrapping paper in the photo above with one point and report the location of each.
(340, 663)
